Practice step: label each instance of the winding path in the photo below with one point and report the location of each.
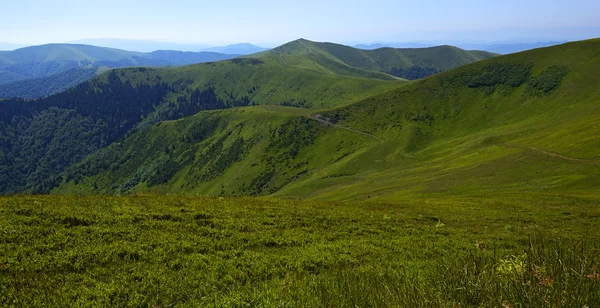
(319, 118)
(281, 61)
(309, 49)
(553, 154)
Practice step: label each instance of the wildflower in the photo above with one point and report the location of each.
(593, 276)
(547, 281)
(513, 266)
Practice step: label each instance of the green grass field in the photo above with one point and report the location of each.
(175, 251)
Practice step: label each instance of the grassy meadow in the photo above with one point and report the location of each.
(181, 251)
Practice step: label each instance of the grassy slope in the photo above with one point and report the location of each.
(344, 60)
(444, 137)
(439, 135)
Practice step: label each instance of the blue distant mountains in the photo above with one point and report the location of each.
(39, 71)
(495, 47)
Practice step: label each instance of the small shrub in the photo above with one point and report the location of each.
(549, 80)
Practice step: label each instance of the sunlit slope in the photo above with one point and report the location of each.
(525, 122)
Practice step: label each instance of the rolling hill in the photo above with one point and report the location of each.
(520, 123)
(408, 63)
(28, 65)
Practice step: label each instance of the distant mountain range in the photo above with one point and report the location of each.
(509, 48)
(237, 49)
(9, 46)
(392, 45)
(149, 46)
(139, 45)
(495, 47)
(42, 70)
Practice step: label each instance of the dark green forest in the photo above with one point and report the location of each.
(40, 138)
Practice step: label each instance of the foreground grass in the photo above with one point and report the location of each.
(166, 251)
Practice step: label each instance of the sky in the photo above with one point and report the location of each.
(272, 22)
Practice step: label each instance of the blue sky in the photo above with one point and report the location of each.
(270, 22)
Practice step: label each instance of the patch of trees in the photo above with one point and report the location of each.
(299, 104)
(509, 74)
(186, 105)
(425, 118)
(549, 80)
(247, 61)
(36, 150)
(414, 72)
(41, 138)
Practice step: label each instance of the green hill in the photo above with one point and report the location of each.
(409, 63)
(524, 122)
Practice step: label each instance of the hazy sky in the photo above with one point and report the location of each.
(276, 21)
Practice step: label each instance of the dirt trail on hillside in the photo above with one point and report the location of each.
(319, 118)
(553, 154)
(309, 49)
(281, 61)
